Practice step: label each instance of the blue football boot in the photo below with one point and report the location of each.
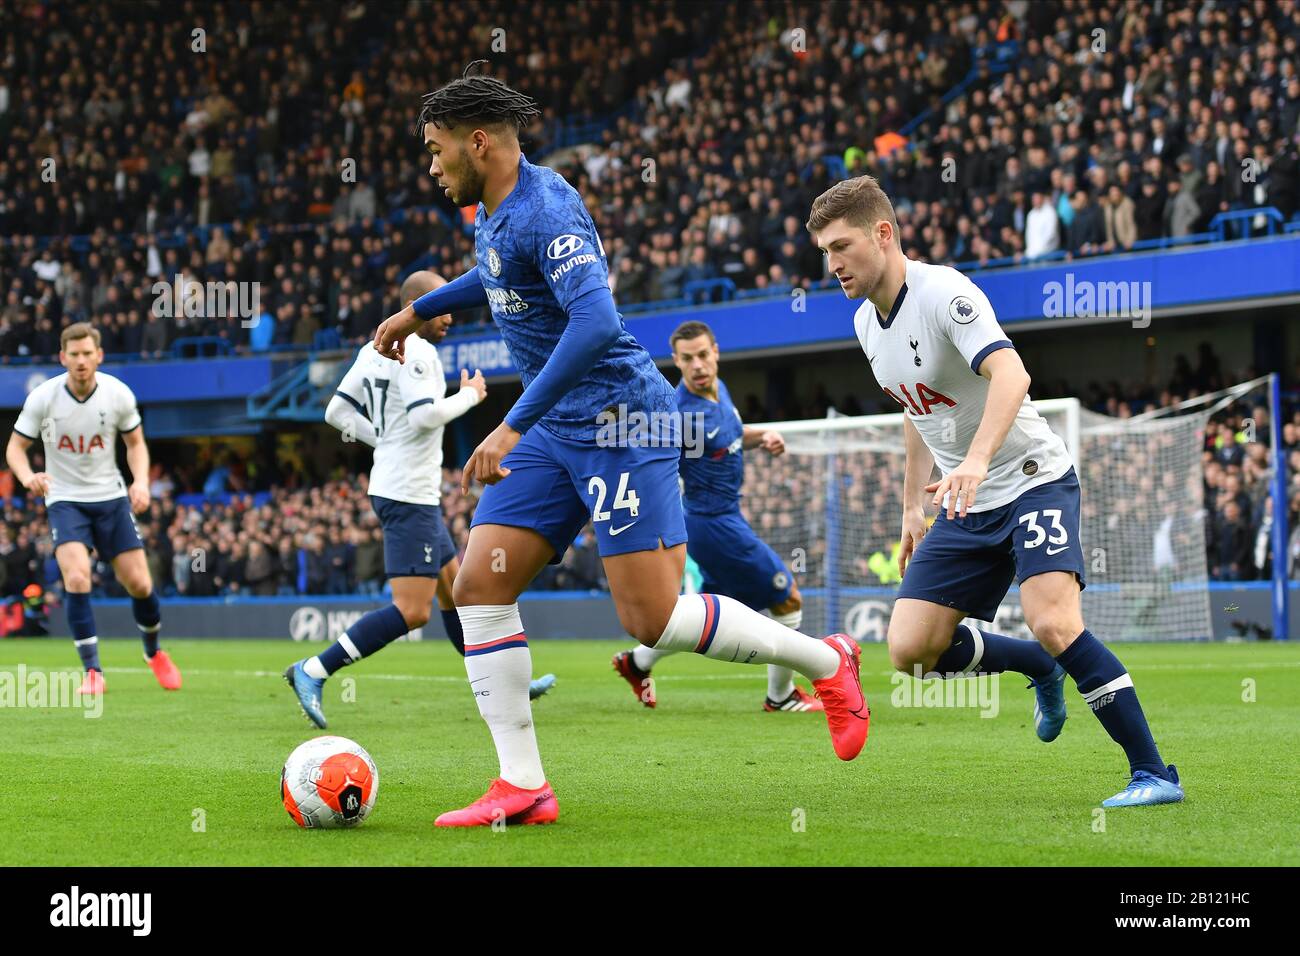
(1146, 789)
(1049, 704)
(540, 686)
(308, 690)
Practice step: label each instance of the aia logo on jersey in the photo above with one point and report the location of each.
(924, 402)
(80, 446)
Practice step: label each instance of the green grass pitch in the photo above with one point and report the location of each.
(706, 779)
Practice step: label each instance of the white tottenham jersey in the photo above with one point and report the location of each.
(925, 355)
(80, 436)
(408, 462)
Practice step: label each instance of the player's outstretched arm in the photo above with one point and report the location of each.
(429, 413)
(916, 474)
(593, 327)
(463, 292)
(770, 441)
(38, 483)
(1008, 386)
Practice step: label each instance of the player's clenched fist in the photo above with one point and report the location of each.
(38, 484)
(773, 443)
(914, 529)
(390, 337)
(485, 463)
(139, 497)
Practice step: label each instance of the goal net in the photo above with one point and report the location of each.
(832, 507)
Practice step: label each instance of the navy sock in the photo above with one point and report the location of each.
(1108, 690)
(979, 652)
(373, 632)
(148, 617)
(81, 622)
(455, 633)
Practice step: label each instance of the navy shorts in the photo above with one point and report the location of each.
(107, 526)
(735, 561)
(556, 485)
(416, 542)
(969, 563)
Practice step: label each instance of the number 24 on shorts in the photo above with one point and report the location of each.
(624, 497)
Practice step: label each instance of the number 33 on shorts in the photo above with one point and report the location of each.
(1057, 539)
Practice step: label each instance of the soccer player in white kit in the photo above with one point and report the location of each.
(400, 410)
(78, 416)
(1008, 495)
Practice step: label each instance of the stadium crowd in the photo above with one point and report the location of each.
(274, 148)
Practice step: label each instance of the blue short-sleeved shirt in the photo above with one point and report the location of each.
(711, 481)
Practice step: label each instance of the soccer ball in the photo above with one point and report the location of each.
(329, 782)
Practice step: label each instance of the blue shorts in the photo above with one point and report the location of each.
(107, 526)
(556, 485)
(416, 542)
(969, 563)
(735, 561)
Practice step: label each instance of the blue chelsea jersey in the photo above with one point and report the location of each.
(711, 481)
(537, 254)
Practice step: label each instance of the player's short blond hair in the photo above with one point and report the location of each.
(78, 330)
(859, 202)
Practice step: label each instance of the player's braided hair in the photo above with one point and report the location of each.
(477, 99)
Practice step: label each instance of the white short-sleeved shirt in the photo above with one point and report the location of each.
(926, 354)
(407, 462)
(80, 435)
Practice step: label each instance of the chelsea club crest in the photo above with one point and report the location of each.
(493, 262)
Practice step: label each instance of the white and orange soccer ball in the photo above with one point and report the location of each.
(329, 782)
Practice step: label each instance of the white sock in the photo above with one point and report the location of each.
(780, 680)
(315, 668)
(723, 629)
(646, 657)
(499, 667)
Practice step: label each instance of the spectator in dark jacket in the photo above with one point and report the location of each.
(1087, 234)
(286, 568)
(259, 569)
(1233, 542)
(318, 565)
(340, 556)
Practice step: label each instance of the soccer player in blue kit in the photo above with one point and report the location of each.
(542, 270)
(732, 558)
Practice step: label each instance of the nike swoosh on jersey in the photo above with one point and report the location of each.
(614, 531)
(1064, 547)
(712, 433)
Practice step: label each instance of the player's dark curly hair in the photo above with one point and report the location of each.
(476, 99)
